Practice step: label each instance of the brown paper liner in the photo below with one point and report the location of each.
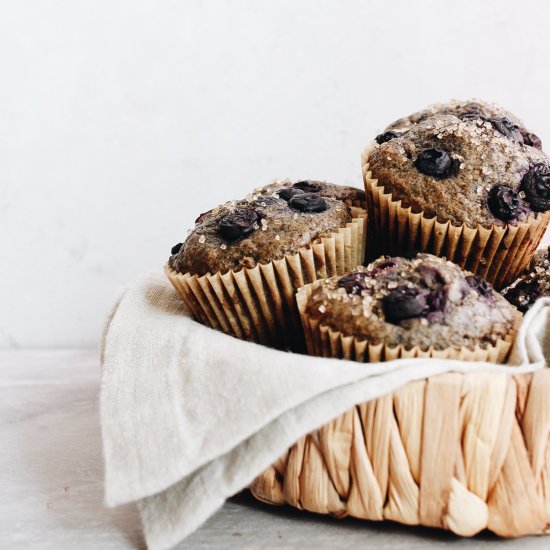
(356, 203)
(258, 304)
(499, 254)
(323, 341)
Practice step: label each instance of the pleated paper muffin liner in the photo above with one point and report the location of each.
(258, 304)
(499, 254)
(356, 203)
(323, 341)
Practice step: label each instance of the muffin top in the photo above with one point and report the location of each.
(263, 227)
(502, 120)
(425, 301)
(534, 282)
(352, 196)
(464, 171)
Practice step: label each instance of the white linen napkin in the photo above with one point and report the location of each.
(190, 416)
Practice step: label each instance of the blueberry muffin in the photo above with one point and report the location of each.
(407, 307)
(257, 230)
(534, 282)
(459, 188)
(241, 264)
(503, 121)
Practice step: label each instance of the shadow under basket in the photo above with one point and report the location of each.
(461, 452)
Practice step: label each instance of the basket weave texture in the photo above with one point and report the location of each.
(461, 452)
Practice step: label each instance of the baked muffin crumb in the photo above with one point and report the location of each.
(463, 171)
(425, 301)
(268, 224)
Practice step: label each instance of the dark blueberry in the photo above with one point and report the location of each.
(404, 303)
(176, 248)
(524, 294)
(353, 283)
(536, 186)
(504, 203)
(507, 128)
(472, 114)
(437, 300)
(238, 223)
(431, 276)
(386, 136)
(531, 139)
(287, 193)
(308, 203)
(307, 186)
(436, 163)
(383, 265)
(480, 285)
(202, 216)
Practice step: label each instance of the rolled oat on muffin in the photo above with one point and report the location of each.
(240, 266)
(397, 307)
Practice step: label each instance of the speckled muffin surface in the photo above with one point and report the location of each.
(259, 229)
(534, 282)
(472, 109)
(463, 171)
(425, 301)
(350, 195)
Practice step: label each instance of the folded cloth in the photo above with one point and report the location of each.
(190, 416)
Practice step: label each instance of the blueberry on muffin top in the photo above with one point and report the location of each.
(533, 283)
(352, 196)
(425, 301)
(265, 226)
(463, 171)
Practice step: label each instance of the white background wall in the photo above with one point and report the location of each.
(120, 121)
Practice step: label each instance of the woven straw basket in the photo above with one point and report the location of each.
(462, 452)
